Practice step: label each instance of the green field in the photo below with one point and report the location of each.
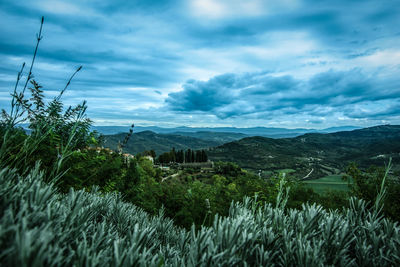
(327, 183)
(286, 171)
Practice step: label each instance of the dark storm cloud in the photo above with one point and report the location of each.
(224, 90)
(157, 45)
(204, 96)
(233, 95)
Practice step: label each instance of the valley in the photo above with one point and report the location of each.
(308, 156)
(314, 155)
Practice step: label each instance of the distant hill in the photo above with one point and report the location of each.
(254, 131)
(220, 137)
(322, 153)
(339, 129)
(160, 143)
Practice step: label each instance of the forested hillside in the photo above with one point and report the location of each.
(221, 137)
(160, 143)
(322, 153)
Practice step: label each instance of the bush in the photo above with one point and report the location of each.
(366, 186)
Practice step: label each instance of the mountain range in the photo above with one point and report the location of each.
(253, 131)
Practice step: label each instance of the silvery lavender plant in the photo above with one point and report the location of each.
(39, 226)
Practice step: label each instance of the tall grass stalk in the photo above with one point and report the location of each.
(20, 108)
(17, 105)
(380, 198)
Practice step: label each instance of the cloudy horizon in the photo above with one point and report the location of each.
(212, 63)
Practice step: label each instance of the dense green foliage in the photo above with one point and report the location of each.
(184, 196)
(181, 156)
(196, 196)
(366, 186)
(40, 227)
(54, 133)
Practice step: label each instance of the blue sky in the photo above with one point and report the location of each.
(287, 63)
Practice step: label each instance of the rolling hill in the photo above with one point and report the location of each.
(314, 154)
(160, 143)
(221, 137)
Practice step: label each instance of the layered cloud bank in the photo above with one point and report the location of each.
(231, 95)
(285, 63)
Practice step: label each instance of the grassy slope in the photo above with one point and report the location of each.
(330, 182)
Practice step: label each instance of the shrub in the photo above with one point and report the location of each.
(53, 132)
(366, 186)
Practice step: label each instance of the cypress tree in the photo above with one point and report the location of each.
(189, 156)
(181, 156)
(198, 156)
(204, 157)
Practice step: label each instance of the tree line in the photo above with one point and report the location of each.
(183, 156)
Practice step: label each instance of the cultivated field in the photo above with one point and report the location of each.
(327, 183)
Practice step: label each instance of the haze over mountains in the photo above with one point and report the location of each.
(254, 131)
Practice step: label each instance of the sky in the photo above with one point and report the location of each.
(211, 63)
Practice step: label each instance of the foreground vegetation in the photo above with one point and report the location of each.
(40, 227)
(65, 203)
